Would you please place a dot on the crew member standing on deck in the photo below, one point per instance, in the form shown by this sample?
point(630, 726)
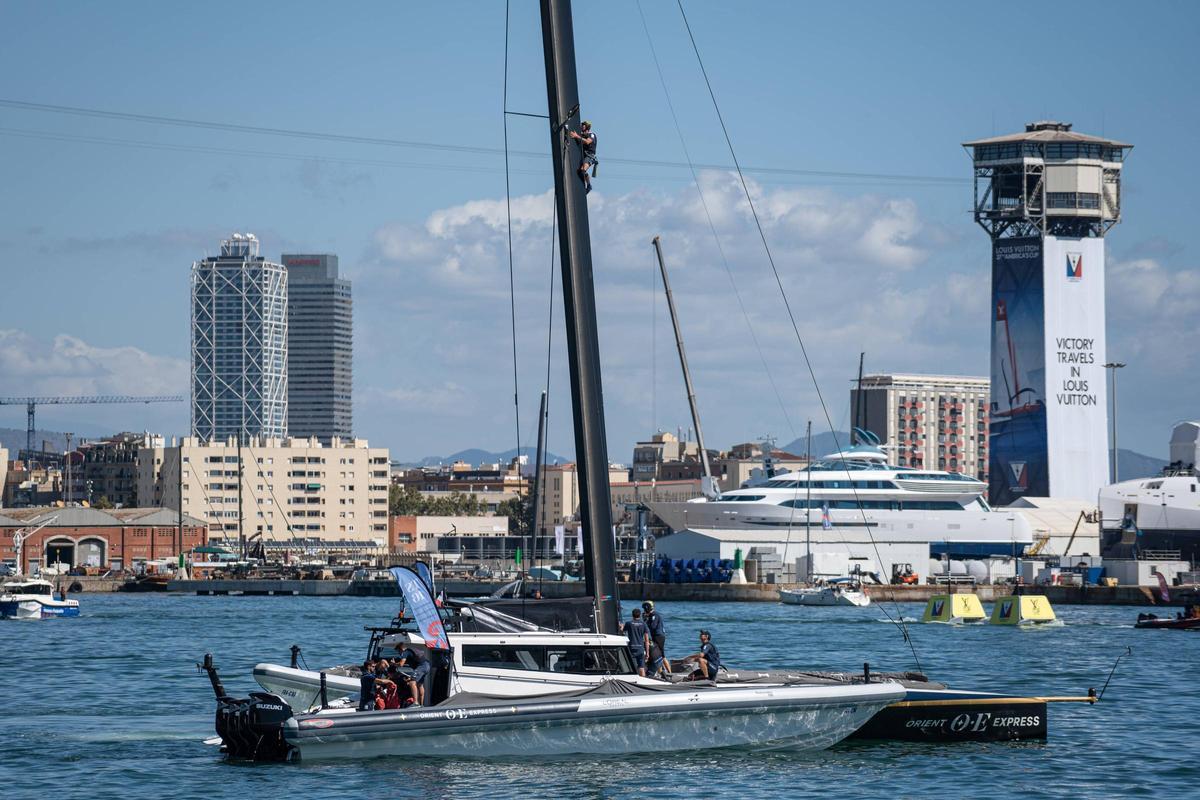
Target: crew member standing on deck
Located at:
point(658, 630)
point(366, 686)
point(587, 142)
point(639, 641)
point(419, 662)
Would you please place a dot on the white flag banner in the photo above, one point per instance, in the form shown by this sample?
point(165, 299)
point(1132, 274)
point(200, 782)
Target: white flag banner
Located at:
point(579, 540)
point(560, 535)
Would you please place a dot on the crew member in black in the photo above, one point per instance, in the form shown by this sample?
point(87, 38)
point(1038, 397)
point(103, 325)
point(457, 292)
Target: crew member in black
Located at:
point(366, 686)
point(419, 662)
point(587, 141)
point(639, 641)
point(658, 630)
point(708, 660)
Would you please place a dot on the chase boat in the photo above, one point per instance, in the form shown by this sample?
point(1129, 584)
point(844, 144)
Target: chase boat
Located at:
point(34, 599)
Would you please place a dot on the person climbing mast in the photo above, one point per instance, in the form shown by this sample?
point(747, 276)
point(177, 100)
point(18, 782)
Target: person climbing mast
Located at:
point(587, 141)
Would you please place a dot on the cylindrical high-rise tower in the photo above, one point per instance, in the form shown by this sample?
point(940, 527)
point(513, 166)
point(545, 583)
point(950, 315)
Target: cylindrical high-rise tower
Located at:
point(1047, 197)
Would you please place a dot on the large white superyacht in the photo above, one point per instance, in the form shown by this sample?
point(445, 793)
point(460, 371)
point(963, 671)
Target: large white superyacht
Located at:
point(845, 495)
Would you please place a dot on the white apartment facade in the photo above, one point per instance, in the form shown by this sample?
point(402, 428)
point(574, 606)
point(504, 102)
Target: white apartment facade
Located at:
point(927, 421)
point(289, 487)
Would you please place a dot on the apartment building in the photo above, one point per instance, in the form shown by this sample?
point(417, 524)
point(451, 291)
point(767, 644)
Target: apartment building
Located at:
point(288, 487)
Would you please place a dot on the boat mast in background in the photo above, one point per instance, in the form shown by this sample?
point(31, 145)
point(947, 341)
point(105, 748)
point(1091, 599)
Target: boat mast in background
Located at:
point(808, 570)
point(536, 496)
point(583, 349)
point(860, 406)
point(708, 486)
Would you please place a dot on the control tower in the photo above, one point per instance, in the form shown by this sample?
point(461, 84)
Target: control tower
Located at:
point(1047, 197)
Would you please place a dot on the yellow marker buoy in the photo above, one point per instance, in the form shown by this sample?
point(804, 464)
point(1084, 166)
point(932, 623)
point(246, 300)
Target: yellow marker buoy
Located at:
point(954, 608)
point(1025, 609)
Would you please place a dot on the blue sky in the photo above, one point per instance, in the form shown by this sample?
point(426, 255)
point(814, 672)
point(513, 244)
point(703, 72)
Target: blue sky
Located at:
point(101, 218)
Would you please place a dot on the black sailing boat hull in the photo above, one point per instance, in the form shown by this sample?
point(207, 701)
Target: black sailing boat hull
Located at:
point(939, 716)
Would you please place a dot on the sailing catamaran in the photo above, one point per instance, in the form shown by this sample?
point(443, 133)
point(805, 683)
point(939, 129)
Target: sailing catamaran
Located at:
point(617, 715)
point(503, 686)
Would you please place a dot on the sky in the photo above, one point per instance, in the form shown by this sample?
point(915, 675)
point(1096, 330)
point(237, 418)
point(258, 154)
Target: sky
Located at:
point(850, 116)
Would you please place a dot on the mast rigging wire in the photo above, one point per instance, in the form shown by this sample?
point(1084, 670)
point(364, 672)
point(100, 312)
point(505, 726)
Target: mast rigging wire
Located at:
point(712, 226)
point(512, 286)
point(791, 316)
point(294, 133)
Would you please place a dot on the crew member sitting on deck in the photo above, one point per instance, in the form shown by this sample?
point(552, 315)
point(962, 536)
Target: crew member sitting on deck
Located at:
point(405, 686)
point(386, 693)
point(418, 661)
point(708, 660)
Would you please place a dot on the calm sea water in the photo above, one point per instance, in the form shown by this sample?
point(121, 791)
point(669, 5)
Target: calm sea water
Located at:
point(111, 705)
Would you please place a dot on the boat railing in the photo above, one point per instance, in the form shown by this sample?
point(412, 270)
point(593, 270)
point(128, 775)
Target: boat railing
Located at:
point(953, 580)
point(1159, 555)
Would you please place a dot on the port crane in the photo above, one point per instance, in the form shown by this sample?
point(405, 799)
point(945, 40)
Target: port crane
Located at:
point(31, 404)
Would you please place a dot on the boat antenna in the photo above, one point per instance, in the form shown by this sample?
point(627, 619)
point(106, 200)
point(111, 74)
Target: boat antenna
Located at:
point(708, 485)
point(583, 348)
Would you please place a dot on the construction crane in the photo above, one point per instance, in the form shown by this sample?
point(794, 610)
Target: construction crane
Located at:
point(31, 404)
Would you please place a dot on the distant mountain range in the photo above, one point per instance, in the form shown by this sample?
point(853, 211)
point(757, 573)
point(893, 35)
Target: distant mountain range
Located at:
point(477, 456)
point(822, 444)
point(13, 439)
point(1130, 465)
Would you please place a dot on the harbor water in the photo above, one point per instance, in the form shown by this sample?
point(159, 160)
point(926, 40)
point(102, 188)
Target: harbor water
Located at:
point(110, 705)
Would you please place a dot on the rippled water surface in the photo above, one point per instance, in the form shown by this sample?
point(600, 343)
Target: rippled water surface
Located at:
point(111, 705)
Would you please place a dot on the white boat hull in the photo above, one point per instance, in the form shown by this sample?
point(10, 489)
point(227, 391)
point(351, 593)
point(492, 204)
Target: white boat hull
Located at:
point(36, 607)
point(823, 597)
point(301, 688)
point(802, 718)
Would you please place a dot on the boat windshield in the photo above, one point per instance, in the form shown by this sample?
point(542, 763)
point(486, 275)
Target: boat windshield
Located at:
point(568, 659)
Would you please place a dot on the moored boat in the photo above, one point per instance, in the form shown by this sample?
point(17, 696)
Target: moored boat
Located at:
point(34, 599)
point(839, 592)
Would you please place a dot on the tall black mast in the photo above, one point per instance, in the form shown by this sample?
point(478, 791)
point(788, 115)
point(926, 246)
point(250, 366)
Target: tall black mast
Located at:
point(583, 350)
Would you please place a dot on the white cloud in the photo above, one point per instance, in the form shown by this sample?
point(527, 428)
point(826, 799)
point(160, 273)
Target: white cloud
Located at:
point(862, 272)
point(847, 262)
point(1150, 307)
point(70, 366)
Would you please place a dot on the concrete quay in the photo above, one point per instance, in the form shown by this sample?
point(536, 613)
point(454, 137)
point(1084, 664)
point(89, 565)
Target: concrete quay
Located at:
point(697, 592)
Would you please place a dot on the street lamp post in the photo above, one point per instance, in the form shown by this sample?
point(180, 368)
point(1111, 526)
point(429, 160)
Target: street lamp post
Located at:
point(1112, 368)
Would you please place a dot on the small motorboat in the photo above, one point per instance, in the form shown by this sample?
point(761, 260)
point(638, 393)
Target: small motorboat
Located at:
point(1179, 623)
point(156, 582)
point(34, 599)
point(839, 592)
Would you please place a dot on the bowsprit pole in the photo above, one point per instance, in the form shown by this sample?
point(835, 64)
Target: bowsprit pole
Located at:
point(583, 350)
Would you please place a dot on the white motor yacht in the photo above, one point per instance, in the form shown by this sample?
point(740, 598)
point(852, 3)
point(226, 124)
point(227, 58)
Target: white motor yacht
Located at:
point(34, 599)
point(857, 496)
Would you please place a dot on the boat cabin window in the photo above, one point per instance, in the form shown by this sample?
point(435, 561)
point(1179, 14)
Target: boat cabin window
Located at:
point(502, 657)
point(568, 659)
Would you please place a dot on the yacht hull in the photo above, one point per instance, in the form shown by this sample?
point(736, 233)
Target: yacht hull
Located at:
point(804, 718)
point(823, 597)
point(16, 607)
